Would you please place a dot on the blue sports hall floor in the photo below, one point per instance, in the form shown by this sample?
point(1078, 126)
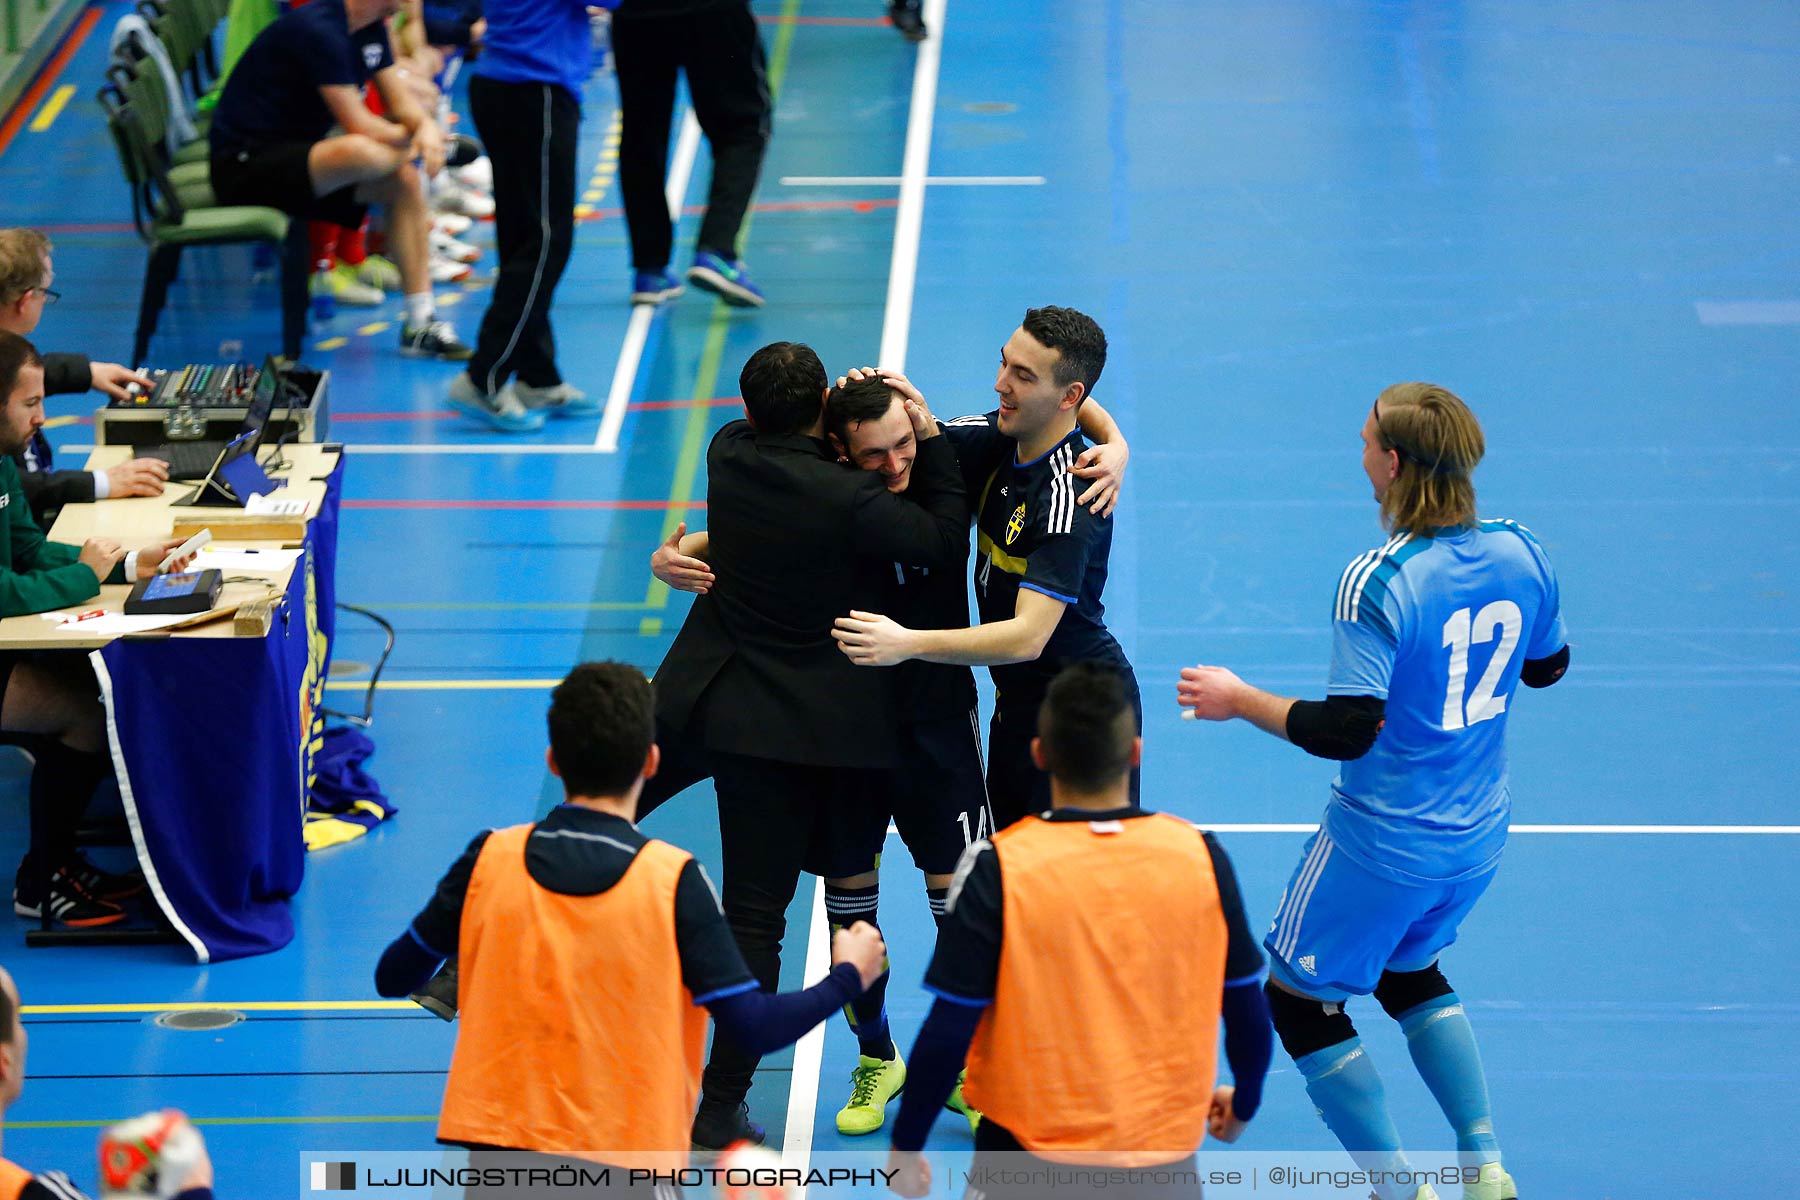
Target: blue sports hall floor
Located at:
point(1579, 217)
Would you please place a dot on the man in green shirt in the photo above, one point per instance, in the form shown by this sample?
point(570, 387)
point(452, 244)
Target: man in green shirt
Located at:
point(52, 694)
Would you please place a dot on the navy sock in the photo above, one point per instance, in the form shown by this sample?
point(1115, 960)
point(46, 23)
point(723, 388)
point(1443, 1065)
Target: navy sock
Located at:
point(1443, 1048)
point(937, 898)
point(867, 1013)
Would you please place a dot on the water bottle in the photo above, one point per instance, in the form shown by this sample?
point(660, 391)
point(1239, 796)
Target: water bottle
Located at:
point(324, 304)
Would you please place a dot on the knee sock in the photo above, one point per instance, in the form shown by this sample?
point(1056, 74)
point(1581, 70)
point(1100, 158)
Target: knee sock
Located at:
point(937, 898)
point(323, 238)
point(867, 1013)
point(1443, 1048)
point(1347, 1091)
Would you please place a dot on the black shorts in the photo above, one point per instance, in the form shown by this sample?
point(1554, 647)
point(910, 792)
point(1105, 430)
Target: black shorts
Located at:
point(849, 829)
point(939, 798)
point(1016, 788)
point(277, 176)
point(1003, 1169)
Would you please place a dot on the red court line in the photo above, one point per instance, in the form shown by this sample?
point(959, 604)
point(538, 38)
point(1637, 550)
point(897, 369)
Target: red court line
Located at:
point(28, 103)
point(87, 227)
point(510, 505)
point(650, 405)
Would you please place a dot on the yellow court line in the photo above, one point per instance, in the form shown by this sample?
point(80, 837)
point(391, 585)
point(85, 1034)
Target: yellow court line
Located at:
point(443, 685)
point(335, 343)
point(52, 108)
point(67, 1010)
point(59, 422)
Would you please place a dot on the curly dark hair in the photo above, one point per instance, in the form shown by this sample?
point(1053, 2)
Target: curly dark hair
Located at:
point(602, 724)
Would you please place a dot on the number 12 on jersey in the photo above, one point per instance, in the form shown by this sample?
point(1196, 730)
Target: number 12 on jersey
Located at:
point(1460, 632)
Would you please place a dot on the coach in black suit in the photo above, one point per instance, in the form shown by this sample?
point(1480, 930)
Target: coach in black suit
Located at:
point(792, 730)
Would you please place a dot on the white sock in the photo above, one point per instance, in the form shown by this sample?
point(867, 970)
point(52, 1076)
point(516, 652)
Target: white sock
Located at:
point(420, 309)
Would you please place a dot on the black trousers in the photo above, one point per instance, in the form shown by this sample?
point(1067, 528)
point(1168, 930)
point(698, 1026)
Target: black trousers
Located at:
point(727, 79)
point(1016, 788)
point(776, 821)
point(530, 131)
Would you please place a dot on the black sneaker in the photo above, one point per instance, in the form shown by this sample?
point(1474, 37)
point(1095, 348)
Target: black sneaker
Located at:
point(438, 997)
point(104, 884)
point(907, 19)
point(717, 1126)
point(434, 339)
point(70, 904)
point(460, 150)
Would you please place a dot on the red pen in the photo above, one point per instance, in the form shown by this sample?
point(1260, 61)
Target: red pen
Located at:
point(92, 612)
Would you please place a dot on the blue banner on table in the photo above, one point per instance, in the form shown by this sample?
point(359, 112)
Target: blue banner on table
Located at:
point(212, 738)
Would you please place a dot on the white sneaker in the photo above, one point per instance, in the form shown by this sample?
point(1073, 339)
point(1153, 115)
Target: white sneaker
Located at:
point(478, 174)
point(451, 197)
point(445, 271)
point(445, 246)
point(454, 224)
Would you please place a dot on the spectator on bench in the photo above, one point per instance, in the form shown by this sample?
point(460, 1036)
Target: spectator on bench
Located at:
point(272, 142)
point(26, 274)
point(53, 694)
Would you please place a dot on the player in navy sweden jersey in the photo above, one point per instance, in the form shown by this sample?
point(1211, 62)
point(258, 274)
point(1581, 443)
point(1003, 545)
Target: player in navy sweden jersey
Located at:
point(1041, 557)
point(1432, 634)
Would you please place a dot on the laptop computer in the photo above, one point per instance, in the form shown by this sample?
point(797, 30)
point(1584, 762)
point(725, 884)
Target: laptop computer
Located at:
point(195, 460)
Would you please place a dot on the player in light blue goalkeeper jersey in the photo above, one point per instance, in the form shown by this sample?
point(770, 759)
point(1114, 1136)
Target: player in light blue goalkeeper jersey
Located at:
point(1432, 634)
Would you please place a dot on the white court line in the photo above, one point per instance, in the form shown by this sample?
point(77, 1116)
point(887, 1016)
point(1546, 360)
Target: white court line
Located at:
point(637, 331)
point(1748, 312)
point(1746, 830)
point(896, 321)
point(803, 1085)
point(809, 1051)
point(930, 180)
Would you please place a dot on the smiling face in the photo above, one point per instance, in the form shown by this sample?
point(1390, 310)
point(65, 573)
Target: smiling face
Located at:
point(1030, 397)
point(886, 445)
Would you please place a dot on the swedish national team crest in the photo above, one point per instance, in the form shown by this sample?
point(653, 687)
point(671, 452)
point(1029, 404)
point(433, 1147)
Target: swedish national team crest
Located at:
point(1016, 525)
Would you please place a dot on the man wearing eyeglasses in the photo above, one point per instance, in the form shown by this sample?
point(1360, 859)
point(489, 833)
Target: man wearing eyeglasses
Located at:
point(26, 274)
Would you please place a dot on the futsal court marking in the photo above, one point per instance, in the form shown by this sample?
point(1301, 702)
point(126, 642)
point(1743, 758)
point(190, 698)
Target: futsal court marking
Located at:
point(929, 180)
point(896, 326)
point(47, 78)
point(637, 330)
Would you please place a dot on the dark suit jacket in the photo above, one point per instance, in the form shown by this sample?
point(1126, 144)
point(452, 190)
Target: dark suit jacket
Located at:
point(754, 669)
point(47, 490)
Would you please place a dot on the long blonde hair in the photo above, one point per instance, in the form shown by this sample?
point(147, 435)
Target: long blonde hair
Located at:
point(1439, 442)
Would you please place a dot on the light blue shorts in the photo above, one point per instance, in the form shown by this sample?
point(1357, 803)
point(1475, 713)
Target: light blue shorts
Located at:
point(1339, 926)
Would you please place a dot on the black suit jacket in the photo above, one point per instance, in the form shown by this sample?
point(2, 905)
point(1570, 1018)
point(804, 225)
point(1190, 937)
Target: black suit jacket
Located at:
point(47, 490)
point(754, 669)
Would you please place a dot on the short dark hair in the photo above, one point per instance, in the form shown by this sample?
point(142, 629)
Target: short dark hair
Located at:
point(867, 400)
point(15, 355)
point(1086, 726)
point(1077, 339)
point(781, 386)
point(602, 724)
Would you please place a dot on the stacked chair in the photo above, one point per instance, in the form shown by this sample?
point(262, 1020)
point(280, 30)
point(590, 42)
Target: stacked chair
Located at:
point(172, 202)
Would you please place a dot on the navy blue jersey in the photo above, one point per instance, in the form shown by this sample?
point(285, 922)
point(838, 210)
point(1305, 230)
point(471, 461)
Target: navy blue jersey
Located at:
point(1030, 533)
point(273, 93)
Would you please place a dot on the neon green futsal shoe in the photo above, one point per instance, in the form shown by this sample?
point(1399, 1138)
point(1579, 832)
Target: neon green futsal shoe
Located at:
point(957, 1104)
point(1495, 1184)
point(873, 1083)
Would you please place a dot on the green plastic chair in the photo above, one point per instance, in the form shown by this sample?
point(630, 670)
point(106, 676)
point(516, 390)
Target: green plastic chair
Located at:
point(168, 226)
